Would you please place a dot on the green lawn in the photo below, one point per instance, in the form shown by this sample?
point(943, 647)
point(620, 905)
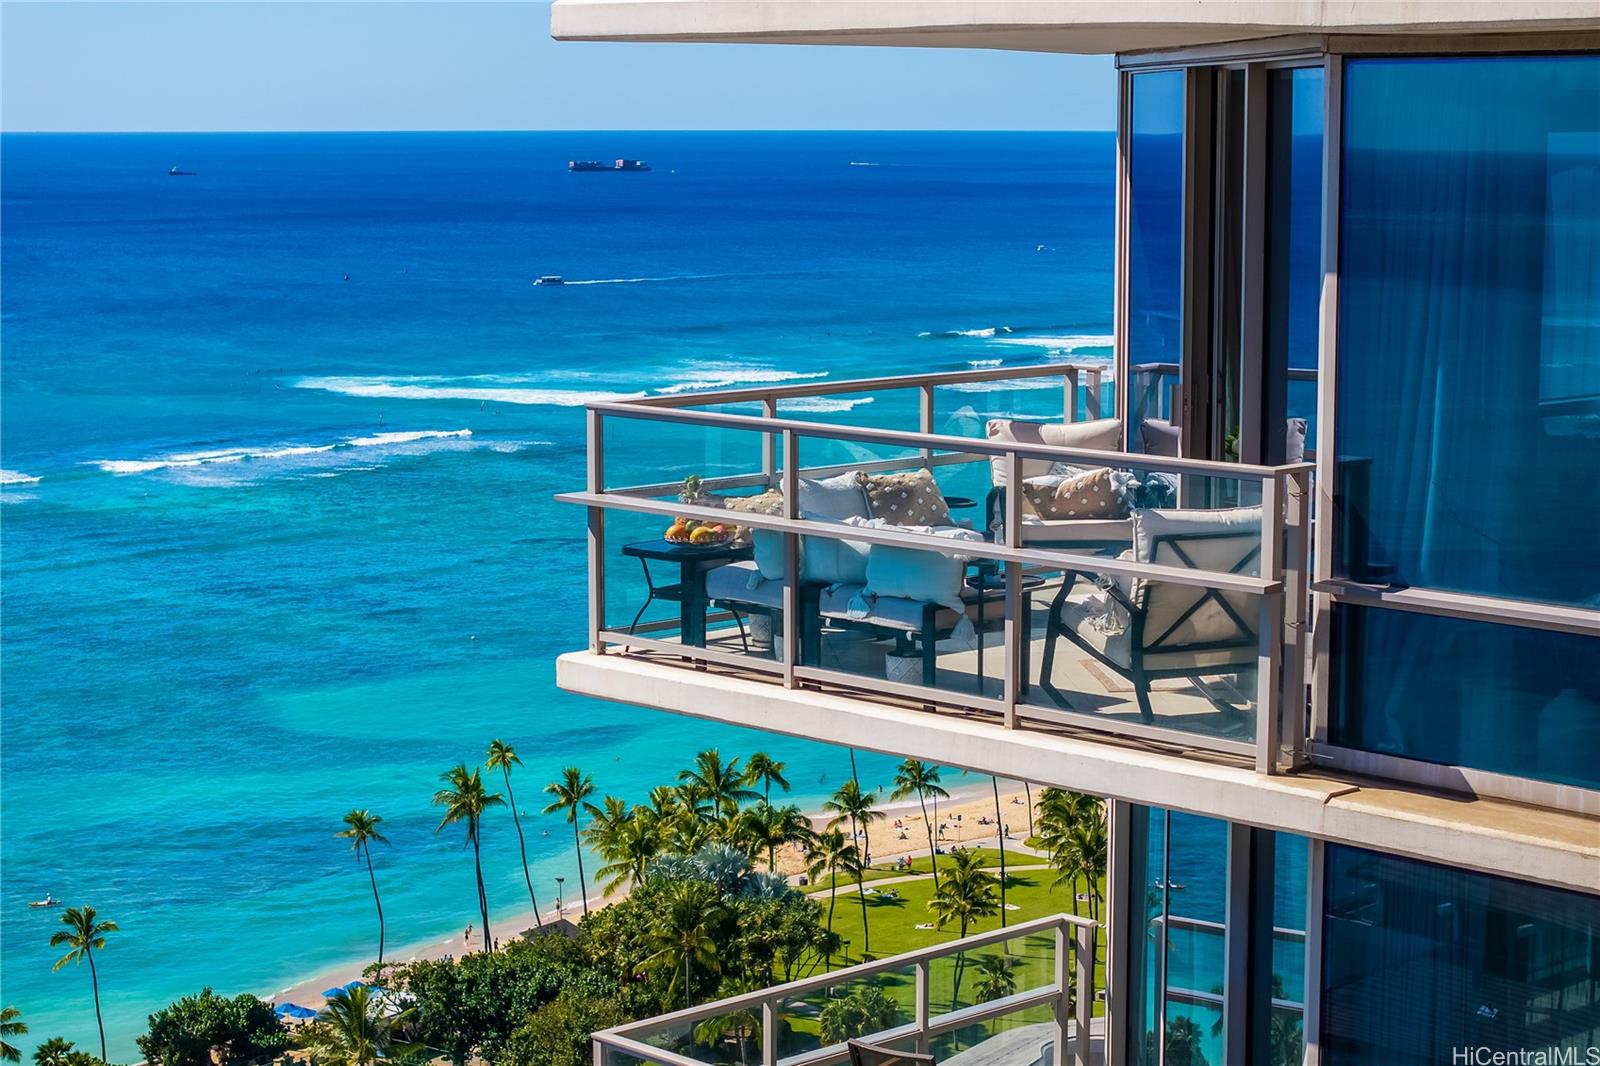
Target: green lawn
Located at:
point(924, 865)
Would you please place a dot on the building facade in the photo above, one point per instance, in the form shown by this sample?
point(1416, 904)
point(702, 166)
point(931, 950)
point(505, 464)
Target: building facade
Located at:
point(1335, 659)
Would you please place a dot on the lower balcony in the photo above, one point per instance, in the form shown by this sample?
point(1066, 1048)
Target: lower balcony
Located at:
point(1027, 995)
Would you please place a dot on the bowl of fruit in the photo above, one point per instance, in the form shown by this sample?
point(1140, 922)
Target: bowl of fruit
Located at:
point(700, 534)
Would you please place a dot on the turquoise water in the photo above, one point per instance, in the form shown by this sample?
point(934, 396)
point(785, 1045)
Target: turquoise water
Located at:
point(291, 547)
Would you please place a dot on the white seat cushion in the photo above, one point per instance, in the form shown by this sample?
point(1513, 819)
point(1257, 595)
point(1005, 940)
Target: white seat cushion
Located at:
point(1044, 531)
point(732, 582)
point(1091, 617)
point(891, 612)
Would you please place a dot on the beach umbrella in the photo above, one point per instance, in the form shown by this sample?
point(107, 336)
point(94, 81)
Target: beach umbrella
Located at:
point(331, 992)
point(294, 1010)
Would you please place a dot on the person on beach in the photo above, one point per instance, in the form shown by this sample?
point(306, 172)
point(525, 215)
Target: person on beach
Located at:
point(467, 937)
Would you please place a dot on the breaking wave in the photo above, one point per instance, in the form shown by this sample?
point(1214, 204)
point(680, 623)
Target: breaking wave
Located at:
point(721, 377)
point(17, 477)
point(421, 388)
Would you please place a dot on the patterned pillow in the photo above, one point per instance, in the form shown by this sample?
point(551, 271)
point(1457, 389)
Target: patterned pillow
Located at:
point(768, 502)
point(911, 499)
point(1091, 494)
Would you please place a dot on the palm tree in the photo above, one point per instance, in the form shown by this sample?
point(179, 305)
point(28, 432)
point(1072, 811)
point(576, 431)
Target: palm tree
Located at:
point(851, 804)
point(464, 800)
point(1060, 814)
point(1028, 790)
point(630, 850)
point(84, 935)
point(965, 896)
point(681, 932)
point(997, 977)
point(356, 1028)
point(1000, 835)
point(11, 1025)
point(503, 757)
point(763, 768)
point(917, 778)
point(601, 832)
point(1087, 854)
point(721, 783)
point(1184, 1043)
point(571, 794)
point(773, 827)
point(60, 1052)
point(361, 829)
point(831, 853)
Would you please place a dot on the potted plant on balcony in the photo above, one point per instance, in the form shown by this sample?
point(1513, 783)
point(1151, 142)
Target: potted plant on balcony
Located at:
point(693, 491)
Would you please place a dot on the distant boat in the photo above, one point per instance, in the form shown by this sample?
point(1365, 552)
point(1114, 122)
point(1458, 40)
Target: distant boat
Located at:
point(48, 901)
point(591, 166)
point(549, 279)
point(179, 172)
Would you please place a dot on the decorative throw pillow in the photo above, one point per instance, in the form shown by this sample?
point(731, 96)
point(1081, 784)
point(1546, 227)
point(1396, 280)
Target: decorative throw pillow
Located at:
point(1092, 494)
point(918, 573)
point(911, 499)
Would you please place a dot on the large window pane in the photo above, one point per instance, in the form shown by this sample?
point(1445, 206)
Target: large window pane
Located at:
point(1421, 960)
point(1492, 697)
point(1469, 325)
point(1155, 259)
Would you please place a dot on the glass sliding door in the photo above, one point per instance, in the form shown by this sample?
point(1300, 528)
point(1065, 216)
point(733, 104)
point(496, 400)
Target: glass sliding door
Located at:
point(1155, 260)
point(1292, 279)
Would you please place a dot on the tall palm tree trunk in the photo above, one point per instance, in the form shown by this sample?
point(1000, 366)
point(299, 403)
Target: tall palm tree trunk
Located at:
point(1000, 835)
point(1029, 790)
point(483, 896)
point(583, 886)
point(94, 982)
point(866, 929)
point(687, 1002)
point(933, 850)
point(522, 846)
point(376, 902)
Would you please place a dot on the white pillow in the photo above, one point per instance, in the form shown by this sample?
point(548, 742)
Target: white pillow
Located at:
point(919, 574)
point(1103, 434)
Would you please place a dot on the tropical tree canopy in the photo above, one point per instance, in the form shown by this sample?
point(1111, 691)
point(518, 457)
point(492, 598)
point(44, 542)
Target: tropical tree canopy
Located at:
point(11, 1024)
point(966, 894)
point(865, 1011)
point(207, 1029)
point(358, 1027)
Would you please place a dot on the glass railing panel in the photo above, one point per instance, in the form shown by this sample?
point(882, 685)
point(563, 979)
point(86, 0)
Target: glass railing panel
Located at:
point(896, 408)
point(610, 1056)
point(1153, 653)
point(1022, 1037)
point(709, 594)
point(850, 1008)
point(683, 459)
point(993, 971)
point(1140, 513)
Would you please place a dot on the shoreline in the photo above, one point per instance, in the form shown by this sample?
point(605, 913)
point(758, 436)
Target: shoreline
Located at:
point(969, 801)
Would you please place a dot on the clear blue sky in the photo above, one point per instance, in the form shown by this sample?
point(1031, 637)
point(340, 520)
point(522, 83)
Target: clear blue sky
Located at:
point(307, 66)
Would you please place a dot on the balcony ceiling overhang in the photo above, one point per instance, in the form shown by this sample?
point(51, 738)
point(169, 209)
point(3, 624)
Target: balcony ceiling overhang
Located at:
point(1090, 27)
point(1484, 835)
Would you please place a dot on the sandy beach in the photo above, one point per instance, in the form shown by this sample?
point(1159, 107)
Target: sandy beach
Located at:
point(901, 832)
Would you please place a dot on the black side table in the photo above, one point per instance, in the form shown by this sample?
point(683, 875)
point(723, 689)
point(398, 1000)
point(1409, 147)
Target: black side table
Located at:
point(987, 578)
point(694, 562)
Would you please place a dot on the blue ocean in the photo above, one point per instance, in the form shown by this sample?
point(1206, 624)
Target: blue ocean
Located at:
point(280, 440)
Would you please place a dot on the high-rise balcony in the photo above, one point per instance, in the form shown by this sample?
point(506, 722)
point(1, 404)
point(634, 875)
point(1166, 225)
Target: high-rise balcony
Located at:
point(1141, 596)
point(1043, 1009)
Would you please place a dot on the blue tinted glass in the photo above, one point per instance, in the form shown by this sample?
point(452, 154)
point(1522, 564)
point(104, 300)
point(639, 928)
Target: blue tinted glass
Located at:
point(1155, 250)
point(1469, 325)
point(1421, 960)
point(1446, 690)
point(1294, 238)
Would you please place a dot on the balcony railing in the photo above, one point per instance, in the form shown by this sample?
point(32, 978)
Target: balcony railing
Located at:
point(1178, 619)
point(934, 1005)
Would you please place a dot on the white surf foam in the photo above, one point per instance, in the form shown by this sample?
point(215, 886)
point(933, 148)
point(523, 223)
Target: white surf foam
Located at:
point(823, 404)
point(983, 333)
point(435, 389)
point(984, 364)
point(17, 477)
point(1070, 343)
point(226, 456)
point(722, 377)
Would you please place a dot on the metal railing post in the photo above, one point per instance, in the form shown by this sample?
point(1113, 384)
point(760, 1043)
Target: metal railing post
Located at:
point(1017, 626)
point(1069, 402)
point(595, 431)
point(769, 441)
point(769, 1033)
point(792, 629)
point(1063, 1011)
point(599, 1052)
point(925, 419)
point(1297, 593)
point(1083, 1002)
point(1269, 631)
point(1092, 404)
point(922, 1006)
